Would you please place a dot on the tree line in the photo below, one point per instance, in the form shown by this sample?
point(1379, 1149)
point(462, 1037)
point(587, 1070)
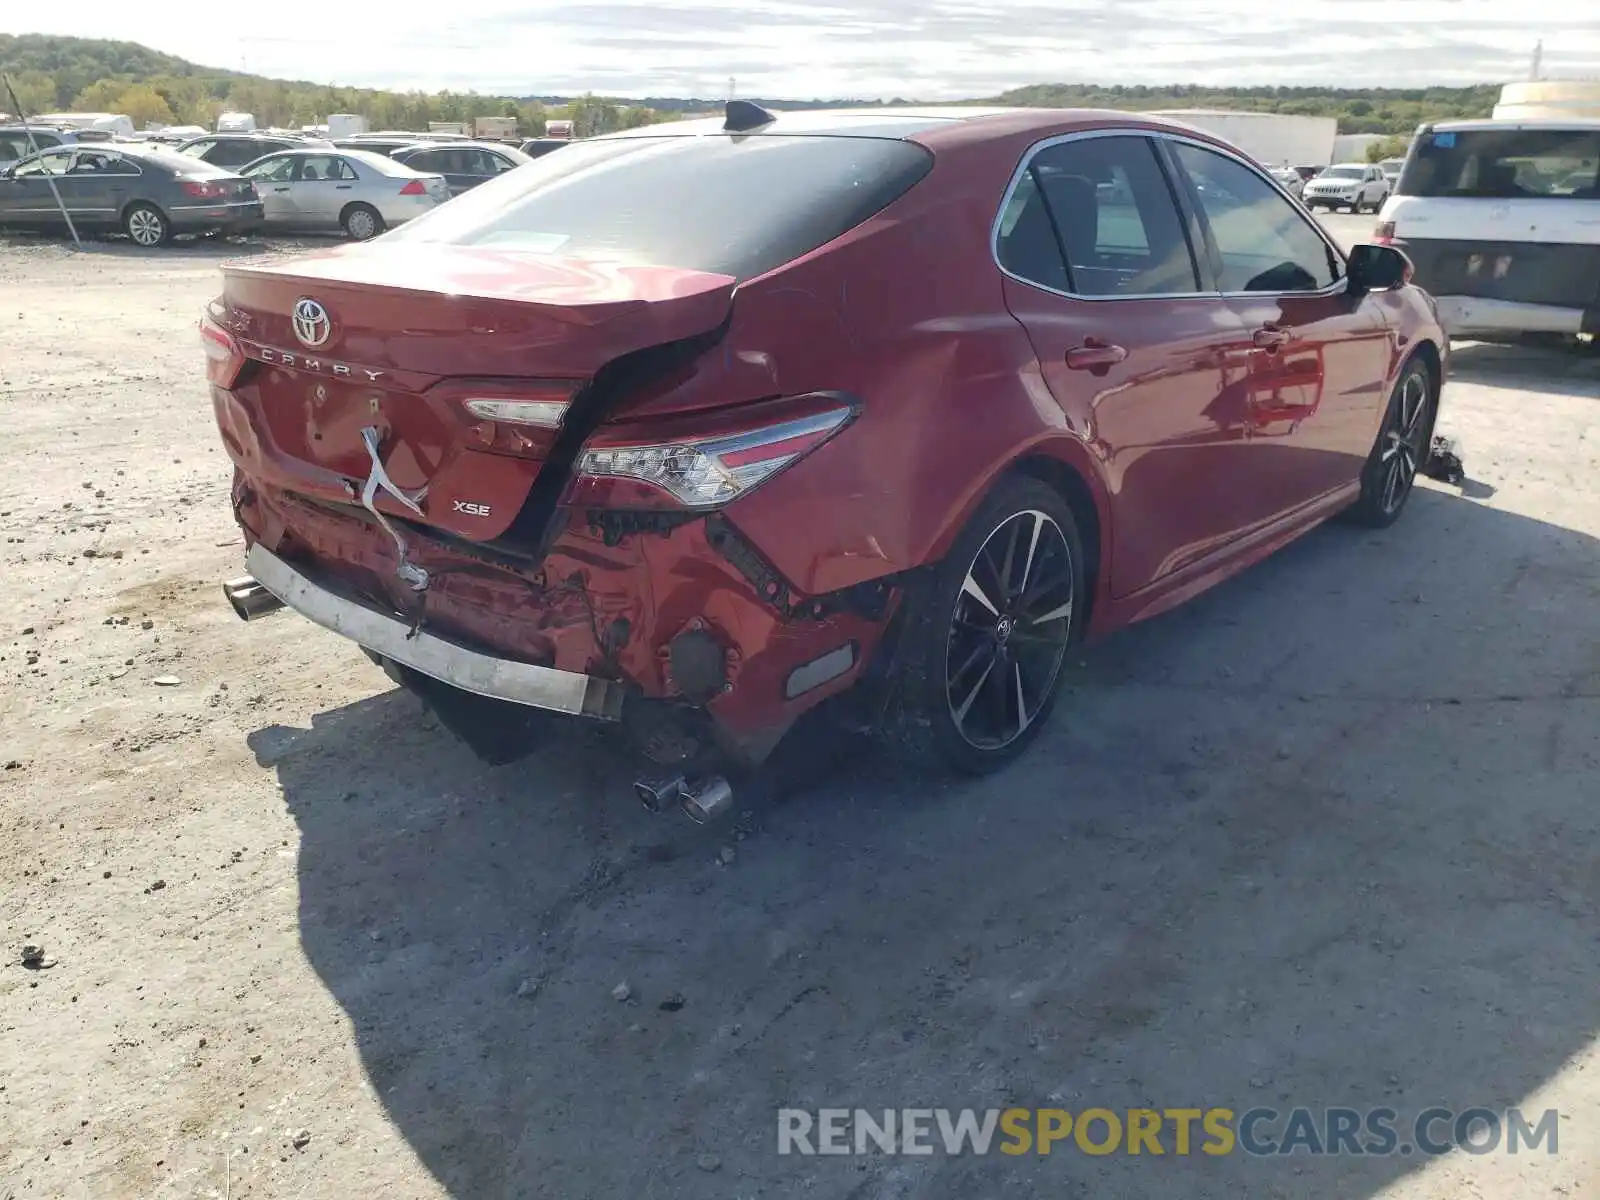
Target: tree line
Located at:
point(62, 74)
point(91, 75)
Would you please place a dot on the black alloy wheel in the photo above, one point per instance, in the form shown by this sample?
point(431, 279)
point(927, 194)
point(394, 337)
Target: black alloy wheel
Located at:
point(1401, 450)
point(982, 654)
point(1009, 631)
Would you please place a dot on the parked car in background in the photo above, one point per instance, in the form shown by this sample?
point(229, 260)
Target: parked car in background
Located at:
point(325, 189)
point(463, 164)
point(380, 143)
point(539, 147)
point(567, 425)
point(15, 143)
point(1391, 171)
point(1355, 186)
point(149, 192)
point(1293, 182)
point(237, 149)
point(1502, 219)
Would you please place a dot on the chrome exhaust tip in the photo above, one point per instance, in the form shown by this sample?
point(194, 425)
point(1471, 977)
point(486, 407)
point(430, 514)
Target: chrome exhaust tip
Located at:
point(660, 792)
point(707, 800)
point(249, 599)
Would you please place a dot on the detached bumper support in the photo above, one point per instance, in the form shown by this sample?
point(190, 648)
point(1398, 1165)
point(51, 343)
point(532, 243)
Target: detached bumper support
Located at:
point(471, 671)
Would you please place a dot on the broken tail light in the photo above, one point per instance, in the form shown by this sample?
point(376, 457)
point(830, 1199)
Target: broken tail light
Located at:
point(702, 472)
point(224, 359)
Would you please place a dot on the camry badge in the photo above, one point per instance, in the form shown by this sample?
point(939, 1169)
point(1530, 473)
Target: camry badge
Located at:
point(311, 323)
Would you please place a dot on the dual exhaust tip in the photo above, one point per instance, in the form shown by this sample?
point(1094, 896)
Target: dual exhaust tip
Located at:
point(702, 800)
point(249, 599)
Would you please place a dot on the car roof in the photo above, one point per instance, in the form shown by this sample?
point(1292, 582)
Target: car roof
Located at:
point(1580, 124)
point(935, 126)
point(379, 162)
point(410, 146)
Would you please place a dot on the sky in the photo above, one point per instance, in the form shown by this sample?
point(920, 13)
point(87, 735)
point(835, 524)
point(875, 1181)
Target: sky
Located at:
point(869, 49)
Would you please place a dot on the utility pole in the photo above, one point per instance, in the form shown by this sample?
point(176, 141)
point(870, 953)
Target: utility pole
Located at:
point(1538, 60)
point(731, 91)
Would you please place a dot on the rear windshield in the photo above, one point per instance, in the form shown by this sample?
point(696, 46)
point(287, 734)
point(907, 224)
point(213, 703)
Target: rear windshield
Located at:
point(1505, 164)
point(183, 164)
point(736, 206)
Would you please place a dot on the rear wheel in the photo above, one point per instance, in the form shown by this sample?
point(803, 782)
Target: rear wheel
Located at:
point(361, 222)
point(146, 226)
point(984, 655)
point(1400, 452)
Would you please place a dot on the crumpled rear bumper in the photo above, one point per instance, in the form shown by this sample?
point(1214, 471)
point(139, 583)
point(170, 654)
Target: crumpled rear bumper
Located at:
point(590, 625)
point(434, 656)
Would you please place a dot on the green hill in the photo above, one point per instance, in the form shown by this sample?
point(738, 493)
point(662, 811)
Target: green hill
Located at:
point(63, 73)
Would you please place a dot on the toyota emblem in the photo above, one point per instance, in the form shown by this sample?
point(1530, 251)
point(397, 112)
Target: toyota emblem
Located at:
point(311, 323)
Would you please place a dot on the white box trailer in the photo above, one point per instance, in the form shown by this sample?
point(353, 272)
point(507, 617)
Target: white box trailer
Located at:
point(1272, 139)
point(343, 125)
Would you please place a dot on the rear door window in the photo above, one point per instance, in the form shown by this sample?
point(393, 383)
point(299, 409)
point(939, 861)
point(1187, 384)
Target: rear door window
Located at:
point(1263, 241)
point(315, 167)
point(1096, 217)
point(1508, 164)
point(736, 206)
point(426, 161)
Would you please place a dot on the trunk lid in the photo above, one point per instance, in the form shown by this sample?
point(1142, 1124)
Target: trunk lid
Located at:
point(399, 339)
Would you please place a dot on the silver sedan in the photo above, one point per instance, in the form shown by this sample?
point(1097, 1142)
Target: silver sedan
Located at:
point(357, 191)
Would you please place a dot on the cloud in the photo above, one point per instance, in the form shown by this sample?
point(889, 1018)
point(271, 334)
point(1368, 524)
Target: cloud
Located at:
point(929, 49)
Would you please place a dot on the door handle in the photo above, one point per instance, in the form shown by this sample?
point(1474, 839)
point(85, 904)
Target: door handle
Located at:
point(1271, 337)
point(1094, 354)
point(280, 189)
point(343, 187)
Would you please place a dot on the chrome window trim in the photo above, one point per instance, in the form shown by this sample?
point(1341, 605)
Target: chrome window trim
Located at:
point(1060, 139)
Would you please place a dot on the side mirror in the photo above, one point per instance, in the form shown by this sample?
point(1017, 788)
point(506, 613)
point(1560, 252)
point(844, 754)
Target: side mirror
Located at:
point(1378, 268)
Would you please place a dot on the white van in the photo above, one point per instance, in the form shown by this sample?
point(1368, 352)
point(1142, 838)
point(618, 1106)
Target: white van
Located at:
point(1502, 222)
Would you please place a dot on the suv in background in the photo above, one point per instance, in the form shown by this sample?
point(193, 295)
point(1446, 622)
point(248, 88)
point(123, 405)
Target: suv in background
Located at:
point(1501, 220)
point(463, 164)
point(1355, 186)
point(1391, 171)
point(14, 145)
point(236, 149)
point(539, 147)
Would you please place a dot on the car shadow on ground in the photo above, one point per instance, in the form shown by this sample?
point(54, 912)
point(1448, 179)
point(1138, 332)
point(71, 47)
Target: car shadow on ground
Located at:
point(1565, 370)
point(1323, 837)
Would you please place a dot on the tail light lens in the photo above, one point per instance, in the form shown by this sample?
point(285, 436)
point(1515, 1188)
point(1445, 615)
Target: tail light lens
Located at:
point(1384, 233)
point(414, 187)
point(204, 189)
point(224, 359)
point(700, 472)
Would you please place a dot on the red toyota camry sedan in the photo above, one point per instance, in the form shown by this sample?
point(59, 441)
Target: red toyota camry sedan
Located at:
point(695, 426)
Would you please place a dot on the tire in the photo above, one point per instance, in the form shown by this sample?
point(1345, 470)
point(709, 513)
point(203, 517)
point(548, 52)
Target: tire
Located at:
point(361, 222)
point(984, 650)
point(146, 226)
point(1401, 450)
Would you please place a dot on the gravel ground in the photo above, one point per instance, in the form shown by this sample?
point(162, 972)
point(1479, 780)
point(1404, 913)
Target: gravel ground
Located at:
point(1326, 836)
